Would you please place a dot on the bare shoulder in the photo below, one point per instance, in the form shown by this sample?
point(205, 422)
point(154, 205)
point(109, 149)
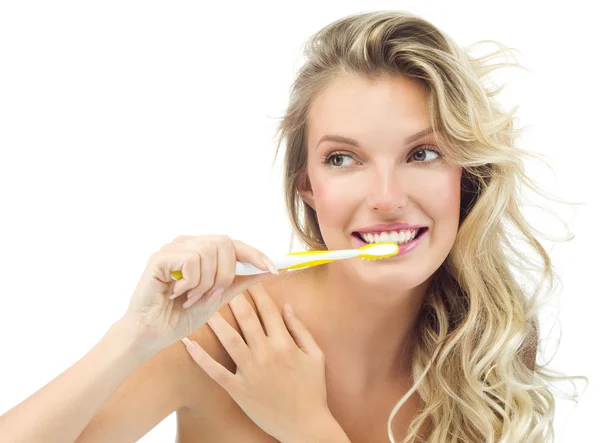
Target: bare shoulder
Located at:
point(198, 381)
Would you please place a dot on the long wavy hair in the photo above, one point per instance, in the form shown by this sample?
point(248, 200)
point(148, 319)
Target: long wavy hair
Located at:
point(476, 342)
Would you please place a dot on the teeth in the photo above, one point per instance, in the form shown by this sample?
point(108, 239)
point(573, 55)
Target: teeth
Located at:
point(399, 237)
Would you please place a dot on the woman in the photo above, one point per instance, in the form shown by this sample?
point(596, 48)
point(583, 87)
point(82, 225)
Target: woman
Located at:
point(390, 135)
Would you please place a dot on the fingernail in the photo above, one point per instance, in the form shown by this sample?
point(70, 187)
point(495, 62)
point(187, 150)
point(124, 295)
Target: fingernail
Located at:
point(269, 264)
point(174, 296)
point(191, 301)
point(289, 309)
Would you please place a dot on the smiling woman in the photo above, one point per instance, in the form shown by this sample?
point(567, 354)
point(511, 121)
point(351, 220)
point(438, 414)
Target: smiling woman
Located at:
point(390, 134)
point(390, 122)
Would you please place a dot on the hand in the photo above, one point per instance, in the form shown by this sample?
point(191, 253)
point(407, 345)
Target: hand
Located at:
point(280, 378)
point(157, 312)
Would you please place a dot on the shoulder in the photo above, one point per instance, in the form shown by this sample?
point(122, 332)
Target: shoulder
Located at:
point(209, 341)
point(197, 380)
point(278, 288)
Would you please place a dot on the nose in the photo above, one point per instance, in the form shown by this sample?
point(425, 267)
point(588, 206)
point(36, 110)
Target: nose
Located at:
point(387, 192)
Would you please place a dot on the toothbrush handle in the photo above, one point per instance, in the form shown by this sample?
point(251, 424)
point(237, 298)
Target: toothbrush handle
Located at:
point(312, 258)
point(244, 268)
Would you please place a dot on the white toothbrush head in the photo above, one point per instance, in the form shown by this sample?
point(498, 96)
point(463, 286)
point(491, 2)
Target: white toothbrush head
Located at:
point(375, 251)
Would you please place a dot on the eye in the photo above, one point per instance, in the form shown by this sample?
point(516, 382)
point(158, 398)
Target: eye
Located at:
point(333, 159)
point(420, 156)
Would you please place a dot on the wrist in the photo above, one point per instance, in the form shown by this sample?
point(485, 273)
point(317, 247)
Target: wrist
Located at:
point(130, 334)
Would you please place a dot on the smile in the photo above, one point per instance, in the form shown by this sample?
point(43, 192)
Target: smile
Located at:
point(399, 237)
point(407, 240)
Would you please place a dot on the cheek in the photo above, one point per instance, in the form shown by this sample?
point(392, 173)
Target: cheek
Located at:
point(334, 198)
point(441, 200)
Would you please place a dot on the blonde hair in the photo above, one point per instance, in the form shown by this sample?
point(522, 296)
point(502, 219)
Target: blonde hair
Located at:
point(477, 339)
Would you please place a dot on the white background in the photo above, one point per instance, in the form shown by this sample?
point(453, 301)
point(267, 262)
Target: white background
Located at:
point(125, 124)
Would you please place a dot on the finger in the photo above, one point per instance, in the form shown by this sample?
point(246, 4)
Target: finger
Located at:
point(225, 264)
point(164, 262)
point(301, 335)
point(253, 331)
point(215, 370)
point(191, 271)
point(247, 253)
point(230, 339)
point(208, 267)
point(270, 315)
point(222, 265)
point(220, 271)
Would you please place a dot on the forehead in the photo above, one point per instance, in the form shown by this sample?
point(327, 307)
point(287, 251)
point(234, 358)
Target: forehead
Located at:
point(355, 105)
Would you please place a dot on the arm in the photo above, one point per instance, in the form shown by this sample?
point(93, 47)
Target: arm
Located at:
point(62, 409)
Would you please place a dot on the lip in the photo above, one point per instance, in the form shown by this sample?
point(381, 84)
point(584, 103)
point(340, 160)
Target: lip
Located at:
point(403, 249)
point(388, 227)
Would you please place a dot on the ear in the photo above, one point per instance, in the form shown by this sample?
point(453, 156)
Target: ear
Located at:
point(304, 188)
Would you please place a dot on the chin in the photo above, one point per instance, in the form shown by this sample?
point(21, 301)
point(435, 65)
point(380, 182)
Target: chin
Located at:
point(390, 279)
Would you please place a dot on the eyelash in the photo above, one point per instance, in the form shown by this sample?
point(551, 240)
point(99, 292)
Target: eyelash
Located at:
point(326, 159)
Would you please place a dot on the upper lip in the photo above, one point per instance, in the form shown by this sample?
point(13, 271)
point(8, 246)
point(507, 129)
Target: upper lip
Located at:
point(388, 227)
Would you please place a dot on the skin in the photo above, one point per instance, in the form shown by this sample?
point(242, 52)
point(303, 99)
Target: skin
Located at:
point(362, 313)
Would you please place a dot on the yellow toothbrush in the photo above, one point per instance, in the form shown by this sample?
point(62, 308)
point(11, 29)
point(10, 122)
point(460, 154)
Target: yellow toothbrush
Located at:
point(298, 260)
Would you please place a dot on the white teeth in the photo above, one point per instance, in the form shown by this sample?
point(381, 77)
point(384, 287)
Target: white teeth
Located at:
point(395, 236)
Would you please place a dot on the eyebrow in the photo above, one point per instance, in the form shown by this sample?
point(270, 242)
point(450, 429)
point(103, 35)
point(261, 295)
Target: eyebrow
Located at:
point(352, 142)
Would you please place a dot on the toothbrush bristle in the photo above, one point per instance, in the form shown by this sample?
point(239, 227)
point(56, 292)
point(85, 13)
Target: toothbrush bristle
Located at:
point(376, 251)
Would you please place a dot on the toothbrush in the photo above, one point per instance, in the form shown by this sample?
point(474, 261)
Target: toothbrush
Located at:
point(298, 260)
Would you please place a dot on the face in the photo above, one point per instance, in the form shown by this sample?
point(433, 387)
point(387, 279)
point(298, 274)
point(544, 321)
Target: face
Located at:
point(387, 178)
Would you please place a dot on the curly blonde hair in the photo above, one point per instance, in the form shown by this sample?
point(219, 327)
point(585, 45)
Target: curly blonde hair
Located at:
point(477, 340)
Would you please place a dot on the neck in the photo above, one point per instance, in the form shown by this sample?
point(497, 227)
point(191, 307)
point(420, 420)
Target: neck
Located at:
point(365, 331)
